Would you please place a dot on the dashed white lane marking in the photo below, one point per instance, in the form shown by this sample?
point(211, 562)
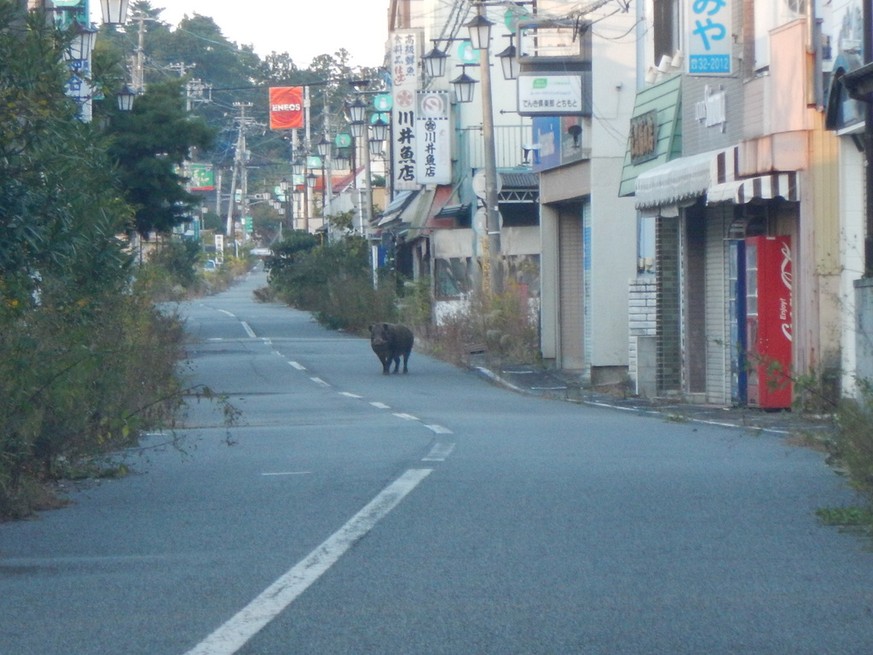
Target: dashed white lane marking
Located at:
point(349, 394)
point(224, 311)
point(378, 405)
point(232, 636)
point(319, 382)
point(406, 417)
point(298, 366)
point(248, 329)
point(438, 429)
point(439, 452)
point(278, 473)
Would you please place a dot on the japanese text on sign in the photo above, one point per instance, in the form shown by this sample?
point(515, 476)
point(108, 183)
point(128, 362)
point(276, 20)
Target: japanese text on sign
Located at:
point(709, 37)
point(404, 67)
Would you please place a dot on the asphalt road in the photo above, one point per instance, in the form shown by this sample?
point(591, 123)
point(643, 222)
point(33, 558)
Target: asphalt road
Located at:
point(351, 512)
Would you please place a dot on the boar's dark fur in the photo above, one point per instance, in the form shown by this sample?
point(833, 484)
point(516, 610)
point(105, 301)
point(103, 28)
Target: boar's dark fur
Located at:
point(390, 342)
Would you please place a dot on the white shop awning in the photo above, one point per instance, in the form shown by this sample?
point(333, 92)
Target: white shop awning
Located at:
point(676, 181)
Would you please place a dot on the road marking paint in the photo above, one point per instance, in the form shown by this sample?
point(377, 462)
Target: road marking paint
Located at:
point(248, 329)
point(234, 634)
point(224, 311)
point(406, 417)
point(438, 429)
point(439, 452)
point(378, 405)
point(349, 394)
point(319, 382)
point(298, 366)
point(286, 473)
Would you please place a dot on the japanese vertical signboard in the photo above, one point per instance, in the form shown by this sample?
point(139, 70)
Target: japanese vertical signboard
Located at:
point(286, 107)
point(433, 138)
point(405, 46)
point(709, 37)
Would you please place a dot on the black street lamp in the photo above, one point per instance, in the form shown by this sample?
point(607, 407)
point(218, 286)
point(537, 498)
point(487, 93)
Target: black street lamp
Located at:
point(463, 86)
point(480, 30)
point(435, 62)
point(125, 98)
point(323, 147)
point(509, 61)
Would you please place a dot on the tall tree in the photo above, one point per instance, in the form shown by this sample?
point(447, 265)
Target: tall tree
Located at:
point(150, 145)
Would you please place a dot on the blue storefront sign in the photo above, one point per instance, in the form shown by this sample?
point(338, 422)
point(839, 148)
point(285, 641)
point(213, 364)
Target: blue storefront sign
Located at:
point(709, 37)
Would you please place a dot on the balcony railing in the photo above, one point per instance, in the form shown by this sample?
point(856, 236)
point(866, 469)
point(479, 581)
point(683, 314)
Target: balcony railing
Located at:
point(509, 141)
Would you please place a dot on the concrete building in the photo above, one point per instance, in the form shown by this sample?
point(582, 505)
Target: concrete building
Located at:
point(745, 117)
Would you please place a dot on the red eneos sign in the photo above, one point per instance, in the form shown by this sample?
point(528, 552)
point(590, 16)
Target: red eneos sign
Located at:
point(286, 107)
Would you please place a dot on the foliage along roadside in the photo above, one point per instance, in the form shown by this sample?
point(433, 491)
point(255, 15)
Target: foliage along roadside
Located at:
point(86, 360)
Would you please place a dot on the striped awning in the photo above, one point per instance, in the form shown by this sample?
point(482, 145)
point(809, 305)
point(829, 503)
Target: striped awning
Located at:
point(715, 175)
point(762, 187)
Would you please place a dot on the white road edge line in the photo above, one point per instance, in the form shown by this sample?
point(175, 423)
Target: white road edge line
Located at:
point(233, 635)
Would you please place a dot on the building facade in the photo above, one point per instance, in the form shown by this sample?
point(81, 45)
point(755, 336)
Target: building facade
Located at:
point(746, 214)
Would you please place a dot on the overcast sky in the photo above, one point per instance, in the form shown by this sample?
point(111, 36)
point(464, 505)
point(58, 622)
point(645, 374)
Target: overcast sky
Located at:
point(302, 28)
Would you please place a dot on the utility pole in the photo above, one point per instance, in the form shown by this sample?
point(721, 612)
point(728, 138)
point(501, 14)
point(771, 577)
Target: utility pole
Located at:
point(328, 165)
point(240, 162)
point(139, 56)
point(492, 267)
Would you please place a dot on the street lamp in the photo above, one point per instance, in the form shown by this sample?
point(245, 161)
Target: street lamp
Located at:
point(480, 30)
point(114, 11)
point(125, 98)
point(380, 129)
point(82, 43)
point(463, 86)
point(509, 61)
point(357, 110)
point(435, 62)
point(323, 147)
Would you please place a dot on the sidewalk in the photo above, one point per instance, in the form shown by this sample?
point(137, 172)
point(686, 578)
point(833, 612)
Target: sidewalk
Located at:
point(536, 381)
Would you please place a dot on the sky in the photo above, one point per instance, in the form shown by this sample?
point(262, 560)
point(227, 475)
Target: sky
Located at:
point(304, 29)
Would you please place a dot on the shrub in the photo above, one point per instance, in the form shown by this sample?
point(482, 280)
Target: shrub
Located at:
point(853, 447)
point(334, 281)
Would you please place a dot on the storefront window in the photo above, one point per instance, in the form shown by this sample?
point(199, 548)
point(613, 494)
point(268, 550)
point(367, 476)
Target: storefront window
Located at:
point(646, 245)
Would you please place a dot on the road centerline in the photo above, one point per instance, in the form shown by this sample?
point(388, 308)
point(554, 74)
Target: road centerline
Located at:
point(234, 634)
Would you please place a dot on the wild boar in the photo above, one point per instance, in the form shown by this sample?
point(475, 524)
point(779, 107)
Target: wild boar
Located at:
point(390, 342)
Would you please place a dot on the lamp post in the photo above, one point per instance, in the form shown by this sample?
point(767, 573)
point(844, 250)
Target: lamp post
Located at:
point(358, 128)
point(463, 86)
point(325, 149)
point(287, 187)
point(480, 34)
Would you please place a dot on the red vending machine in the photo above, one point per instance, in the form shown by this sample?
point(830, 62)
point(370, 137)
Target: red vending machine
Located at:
point(768, 321)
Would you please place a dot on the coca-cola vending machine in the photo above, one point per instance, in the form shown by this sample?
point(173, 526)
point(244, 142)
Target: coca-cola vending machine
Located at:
point(768, 321)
